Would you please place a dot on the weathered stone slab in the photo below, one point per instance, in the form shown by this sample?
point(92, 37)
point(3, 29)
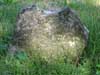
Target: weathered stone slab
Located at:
point(51, 34)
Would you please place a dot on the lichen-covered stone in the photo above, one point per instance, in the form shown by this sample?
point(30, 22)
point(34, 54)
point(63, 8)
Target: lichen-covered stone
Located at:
point(51, 34)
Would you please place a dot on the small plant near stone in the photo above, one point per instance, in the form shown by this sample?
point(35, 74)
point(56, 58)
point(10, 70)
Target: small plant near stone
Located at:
point(98, 69)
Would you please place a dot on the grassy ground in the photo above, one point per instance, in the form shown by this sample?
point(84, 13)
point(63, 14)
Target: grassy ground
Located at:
point(22, 65)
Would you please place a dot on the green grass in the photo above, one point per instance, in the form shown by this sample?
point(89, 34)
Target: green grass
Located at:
point(22, 65)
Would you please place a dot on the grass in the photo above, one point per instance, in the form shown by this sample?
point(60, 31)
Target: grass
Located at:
point(20, 64)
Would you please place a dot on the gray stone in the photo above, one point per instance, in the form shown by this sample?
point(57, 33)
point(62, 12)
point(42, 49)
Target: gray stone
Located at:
point(56, 34)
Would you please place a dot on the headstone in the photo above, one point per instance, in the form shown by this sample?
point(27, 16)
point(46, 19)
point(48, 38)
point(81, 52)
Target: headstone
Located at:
point(56, 34)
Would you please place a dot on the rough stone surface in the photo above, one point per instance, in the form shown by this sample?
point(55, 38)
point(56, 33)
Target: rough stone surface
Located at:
point(56, 34)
